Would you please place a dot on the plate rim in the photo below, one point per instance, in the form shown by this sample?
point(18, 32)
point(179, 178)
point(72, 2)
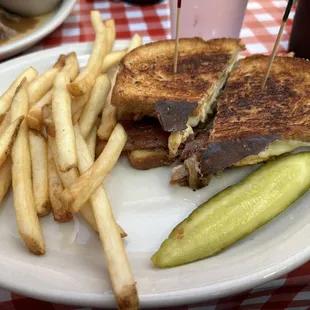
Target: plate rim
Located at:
point(167, 299)
point(171, 298)
point(25, 42)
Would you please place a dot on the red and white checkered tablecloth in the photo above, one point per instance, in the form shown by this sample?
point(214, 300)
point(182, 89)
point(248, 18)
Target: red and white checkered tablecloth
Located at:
point(259, 30)
point(261, 24)
point(151, 22)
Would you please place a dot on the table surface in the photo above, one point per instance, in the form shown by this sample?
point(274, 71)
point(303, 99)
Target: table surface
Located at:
point(259, 30)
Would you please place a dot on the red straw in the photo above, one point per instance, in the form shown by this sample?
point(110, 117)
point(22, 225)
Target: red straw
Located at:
point(179, 4)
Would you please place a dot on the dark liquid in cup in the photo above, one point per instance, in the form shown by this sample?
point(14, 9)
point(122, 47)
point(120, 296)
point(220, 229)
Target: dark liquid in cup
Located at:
point(300, 36)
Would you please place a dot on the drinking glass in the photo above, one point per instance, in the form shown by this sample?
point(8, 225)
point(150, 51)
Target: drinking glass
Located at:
point(208, 18)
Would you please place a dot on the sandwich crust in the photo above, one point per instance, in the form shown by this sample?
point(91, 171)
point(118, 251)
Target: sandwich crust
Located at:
point(146, 74)
point(249, 118)
point(245, 110)
point(252, 124)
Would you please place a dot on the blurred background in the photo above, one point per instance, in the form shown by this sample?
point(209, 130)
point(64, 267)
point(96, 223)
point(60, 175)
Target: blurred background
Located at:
point(262, 20)
point(257, 21)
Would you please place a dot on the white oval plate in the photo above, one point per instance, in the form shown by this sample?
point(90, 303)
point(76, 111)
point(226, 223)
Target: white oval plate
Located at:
point(19, 45)
point(73, 271)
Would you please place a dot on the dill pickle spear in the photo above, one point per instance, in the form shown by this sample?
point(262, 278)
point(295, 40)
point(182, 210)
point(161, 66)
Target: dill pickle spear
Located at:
point(237, 211)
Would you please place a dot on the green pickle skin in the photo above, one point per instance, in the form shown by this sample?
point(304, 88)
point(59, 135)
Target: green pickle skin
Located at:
point(237, 211)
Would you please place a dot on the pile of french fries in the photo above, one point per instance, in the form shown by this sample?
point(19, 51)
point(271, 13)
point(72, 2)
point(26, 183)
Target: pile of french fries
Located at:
point(48, 136)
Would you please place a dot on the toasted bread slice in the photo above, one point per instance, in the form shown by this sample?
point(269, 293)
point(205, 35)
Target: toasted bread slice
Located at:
point(148, 159)
point(146, 75)
point(276, 118)
point(282, 107)
point(254, 124)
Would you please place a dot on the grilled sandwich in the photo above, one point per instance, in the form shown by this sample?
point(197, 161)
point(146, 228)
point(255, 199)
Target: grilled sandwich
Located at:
point(146, 87)
point(146, 145)
point(252, 124)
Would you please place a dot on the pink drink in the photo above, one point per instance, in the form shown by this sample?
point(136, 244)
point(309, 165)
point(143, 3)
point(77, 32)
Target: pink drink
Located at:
point(209, 18)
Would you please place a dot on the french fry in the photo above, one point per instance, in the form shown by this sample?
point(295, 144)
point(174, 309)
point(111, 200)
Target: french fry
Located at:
point(135, 42)
point(38, 151)
point(35, 116)
point(5, 122)
point(100, 30)
point(121, 276)
point(55, 189)
point(60, 63)
point(71, 66)
point(112, 59)
point(7, 139)
point(67, 178)
point(44, 82)
point(122, 233)
point(76, 116)
point(6, 98)
point(110, 35)
point(87, 77)
point(91, 145)
point(20, 103)
point(79, 102)
point(95, 104)
point(80, 191)
point(91, 141)
point(80, 87)
point(27, 219)
point(50, 126)
point(46, 111)
point(99, 147)
point(109, 113)
point(108, 117)
point(77, 106)
point(88, 215)
point(5, 177)
point(61, 112)
point(26, 216)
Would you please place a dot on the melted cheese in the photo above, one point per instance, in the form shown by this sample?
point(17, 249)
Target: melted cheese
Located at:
point(177, 138)
point(206, 106)
point(275, 148)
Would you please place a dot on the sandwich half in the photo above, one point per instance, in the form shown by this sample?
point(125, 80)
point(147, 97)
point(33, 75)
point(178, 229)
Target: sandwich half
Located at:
point(147, 87)
point(252, 124)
